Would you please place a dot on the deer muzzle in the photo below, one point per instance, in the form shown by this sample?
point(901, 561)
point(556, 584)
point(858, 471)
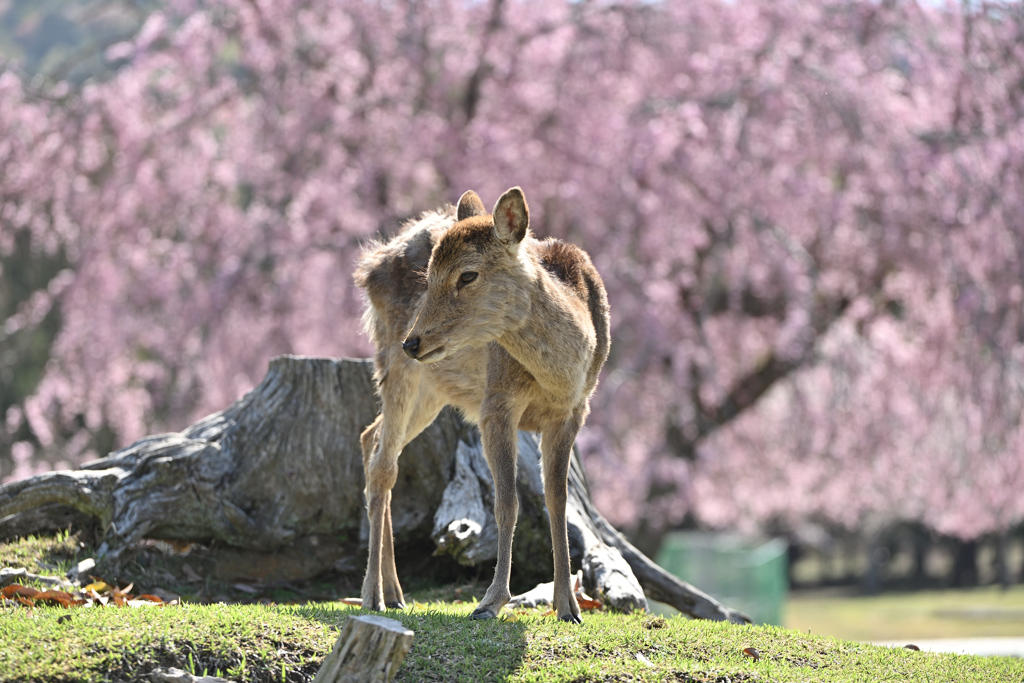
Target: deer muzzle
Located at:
point(411, 346)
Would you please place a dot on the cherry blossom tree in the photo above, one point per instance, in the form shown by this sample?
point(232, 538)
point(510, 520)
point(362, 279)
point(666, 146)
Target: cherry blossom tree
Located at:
point(804, 214)
point(912, 411)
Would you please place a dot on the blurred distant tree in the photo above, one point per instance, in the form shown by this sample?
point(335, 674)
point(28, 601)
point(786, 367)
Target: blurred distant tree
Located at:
point(53, 40)
point(804, 214)
point(912, 410)
point(52, 43)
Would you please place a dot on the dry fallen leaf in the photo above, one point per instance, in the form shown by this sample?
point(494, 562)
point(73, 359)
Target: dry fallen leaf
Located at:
point(584, 600)
point(85, 597)
point(752, 653)
point(58, 597)
point(135, 602)
point(911, 646)
point(643, 660)
point(29, 596)
point(182, 547)
point(353, 601)
point(167, 596)
point(98, 587)
point(120, 596)
point(15, 590)
point(98, 599)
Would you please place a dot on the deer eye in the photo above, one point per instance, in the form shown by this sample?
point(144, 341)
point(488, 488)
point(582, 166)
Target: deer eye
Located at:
point(466, 278)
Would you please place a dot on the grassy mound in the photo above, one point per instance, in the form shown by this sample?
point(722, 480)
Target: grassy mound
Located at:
point(276, 642)
point(287, 643)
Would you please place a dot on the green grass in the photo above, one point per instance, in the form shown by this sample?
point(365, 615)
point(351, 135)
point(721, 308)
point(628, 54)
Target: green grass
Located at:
point(50, 555)
point(275, 643)
point(247, 642)
point(966, 613)
point(257, 642)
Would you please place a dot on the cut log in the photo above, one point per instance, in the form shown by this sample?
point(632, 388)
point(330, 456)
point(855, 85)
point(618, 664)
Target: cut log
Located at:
point(273, 488)
point(369, 649)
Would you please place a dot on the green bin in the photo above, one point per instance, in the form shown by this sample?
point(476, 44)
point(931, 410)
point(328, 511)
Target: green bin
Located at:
point(749, 576)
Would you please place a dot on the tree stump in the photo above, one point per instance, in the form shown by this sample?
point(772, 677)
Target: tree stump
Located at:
point(369, 649)
point(273, 488)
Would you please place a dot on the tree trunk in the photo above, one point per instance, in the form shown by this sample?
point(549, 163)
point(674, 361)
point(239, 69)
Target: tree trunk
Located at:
point(1003, 559)
point(921, 543)
point(965, 563)
point(877, 554)
point(273, 485)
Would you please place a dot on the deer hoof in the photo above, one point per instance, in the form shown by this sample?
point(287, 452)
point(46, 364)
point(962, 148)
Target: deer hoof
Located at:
point(371, 602)
point(396, 604)
point(482, 613)
point(571, 618)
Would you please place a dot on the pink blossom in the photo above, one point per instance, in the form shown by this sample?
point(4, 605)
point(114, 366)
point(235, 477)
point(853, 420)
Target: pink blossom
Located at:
point(806, 215)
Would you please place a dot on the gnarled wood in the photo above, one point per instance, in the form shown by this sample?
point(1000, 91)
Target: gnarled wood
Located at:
point(464, 524)
point(275, 484)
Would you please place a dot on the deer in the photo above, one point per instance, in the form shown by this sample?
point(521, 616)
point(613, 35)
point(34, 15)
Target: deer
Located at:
point(469, 309)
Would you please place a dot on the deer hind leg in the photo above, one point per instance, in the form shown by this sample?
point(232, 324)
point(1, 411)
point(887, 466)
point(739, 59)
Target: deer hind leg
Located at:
point(394, 598)
point(498, 433)
point(402, 418)
point(556, 450)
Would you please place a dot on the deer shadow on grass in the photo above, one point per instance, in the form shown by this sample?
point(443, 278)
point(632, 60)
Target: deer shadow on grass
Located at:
point(446, 647)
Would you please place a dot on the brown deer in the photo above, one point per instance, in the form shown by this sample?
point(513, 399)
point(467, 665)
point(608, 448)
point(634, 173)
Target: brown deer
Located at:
point(511, 330)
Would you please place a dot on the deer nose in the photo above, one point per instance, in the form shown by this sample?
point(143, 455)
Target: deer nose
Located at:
point(411, 347)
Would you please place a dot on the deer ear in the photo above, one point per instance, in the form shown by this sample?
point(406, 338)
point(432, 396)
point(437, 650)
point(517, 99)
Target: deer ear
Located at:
point(511, 217)
point(469, 206)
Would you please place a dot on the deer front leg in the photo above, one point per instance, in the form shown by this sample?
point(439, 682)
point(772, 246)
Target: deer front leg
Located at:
point(556, 450)
point(380, 464)
point(498, 433)
point(407, 409)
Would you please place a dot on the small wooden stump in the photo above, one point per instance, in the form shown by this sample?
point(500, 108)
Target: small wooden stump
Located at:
point(369, 648)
